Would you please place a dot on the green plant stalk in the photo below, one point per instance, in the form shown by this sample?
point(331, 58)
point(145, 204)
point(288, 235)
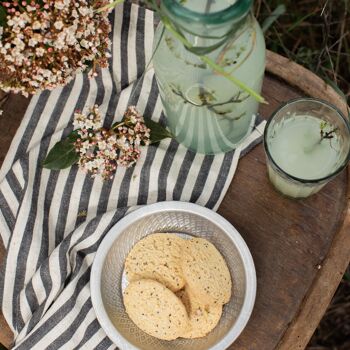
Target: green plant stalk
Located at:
point(300, 20)
point(211, 64)
point(234, 80)
point(110, 6)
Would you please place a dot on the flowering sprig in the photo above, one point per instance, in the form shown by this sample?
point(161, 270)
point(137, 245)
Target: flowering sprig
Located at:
point(99, 151)
point(44, 43)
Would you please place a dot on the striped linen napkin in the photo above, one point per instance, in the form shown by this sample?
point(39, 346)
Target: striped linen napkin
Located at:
point(52, 222)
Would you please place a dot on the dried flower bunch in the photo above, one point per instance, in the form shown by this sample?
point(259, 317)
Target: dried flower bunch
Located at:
point(102, 150)
point(44, 43)
point(99, 151)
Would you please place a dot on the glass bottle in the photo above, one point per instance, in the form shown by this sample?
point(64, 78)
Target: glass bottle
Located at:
point(205, 111)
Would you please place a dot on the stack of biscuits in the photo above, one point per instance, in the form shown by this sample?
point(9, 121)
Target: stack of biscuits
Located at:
point(177, 287)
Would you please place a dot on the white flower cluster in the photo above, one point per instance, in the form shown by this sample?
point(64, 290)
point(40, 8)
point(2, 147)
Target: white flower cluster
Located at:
point(101, 150)
point(45, 43)
point(92, 121)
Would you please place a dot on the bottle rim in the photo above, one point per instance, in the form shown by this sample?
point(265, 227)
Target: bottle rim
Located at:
point(235, 11)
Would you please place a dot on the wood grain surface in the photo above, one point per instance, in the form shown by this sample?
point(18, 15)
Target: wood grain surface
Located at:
point(300, 248)
point(338, 257)
point(289, 239)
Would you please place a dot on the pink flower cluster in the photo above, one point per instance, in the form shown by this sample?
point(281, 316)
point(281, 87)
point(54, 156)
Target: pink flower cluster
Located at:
point(102, 150)
point(45, 43)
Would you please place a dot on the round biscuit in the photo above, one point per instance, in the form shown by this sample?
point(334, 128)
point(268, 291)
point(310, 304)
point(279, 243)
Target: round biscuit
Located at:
point(157, 257)
point(203, 319)
point(155, 309)
point(206, 272)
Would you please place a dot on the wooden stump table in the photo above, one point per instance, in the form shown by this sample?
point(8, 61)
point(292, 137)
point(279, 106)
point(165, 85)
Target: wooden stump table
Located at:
point(301, 248)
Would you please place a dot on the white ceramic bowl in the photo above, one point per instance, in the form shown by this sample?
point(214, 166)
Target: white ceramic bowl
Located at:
point(177, 217)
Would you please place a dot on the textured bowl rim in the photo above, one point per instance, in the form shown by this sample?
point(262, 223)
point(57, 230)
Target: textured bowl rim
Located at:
point(121, 225)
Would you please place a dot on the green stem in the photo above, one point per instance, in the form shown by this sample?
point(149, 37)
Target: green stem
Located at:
point(116, 126)
point(111, 5)
point(234, 80)
point(218, 69)
point(173, 31)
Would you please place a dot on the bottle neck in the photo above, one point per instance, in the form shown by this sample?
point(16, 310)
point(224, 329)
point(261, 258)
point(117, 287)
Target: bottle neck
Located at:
point(207, 28)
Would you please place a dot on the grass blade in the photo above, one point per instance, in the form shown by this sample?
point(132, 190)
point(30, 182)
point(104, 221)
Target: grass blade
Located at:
point(268, 22)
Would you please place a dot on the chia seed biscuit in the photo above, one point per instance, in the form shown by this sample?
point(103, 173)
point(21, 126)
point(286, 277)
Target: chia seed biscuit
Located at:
point(157, 257)
point(155, 309)
point(203, 319)
point(206, 273)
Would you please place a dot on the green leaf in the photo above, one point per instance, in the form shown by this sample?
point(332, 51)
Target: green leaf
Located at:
point(158, 133)
point(268, 22)
point(63, 154)
point(3, 15)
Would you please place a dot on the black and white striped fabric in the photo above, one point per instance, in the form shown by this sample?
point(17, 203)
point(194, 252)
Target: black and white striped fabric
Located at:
point(52, 222)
